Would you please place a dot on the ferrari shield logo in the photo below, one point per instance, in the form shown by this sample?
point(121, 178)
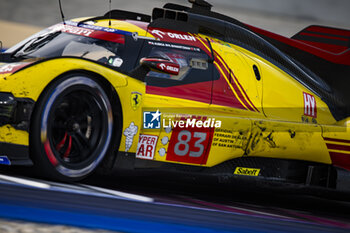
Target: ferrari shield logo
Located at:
point(135, 100)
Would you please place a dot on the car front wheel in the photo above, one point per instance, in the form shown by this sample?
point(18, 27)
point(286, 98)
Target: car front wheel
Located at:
point(72, 128)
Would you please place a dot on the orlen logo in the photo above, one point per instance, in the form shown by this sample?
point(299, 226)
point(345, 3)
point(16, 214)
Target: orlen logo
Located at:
point(162, 66)
point(310, 108)
point(169, 68)
point(173, 35)
point(158, 33)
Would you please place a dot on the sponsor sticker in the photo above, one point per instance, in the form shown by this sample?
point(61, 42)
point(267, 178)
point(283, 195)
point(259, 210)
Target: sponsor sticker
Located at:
point(151, 120)
point(190, 145)
point(77, 30)
point(4, 160)
point(247, 171)
point(129, 134)
point(92, 31)
point(158, 33)
point(135, 99)
point(173, 46)
point(173, 35)
point(191, 121)
point(162, 151)
point(146, 146)
point(116, 62)
point(10, 68)
point(168, 67)
point(310, 108)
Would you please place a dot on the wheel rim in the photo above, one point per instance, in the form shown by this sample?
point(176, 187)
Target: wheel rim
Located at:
point(76, 126)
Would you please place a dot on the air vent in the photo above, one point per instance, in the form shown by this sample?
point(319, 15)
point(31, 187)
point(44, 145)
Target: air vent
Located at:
point(176, 7)
point(169, 14)
point(200, 64)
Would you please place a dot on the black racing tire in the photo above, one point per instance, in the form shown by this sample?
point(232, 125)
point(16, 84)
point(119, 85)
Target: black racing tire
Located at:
point(72, 128)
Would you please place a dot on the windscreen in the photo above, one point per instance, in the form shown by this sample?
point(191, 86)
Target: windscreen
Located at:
point(72, 41)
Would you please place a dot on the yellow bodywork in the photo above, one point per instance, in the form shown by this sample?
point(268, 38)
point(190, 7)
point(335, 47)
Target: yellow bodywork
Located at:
point(31, 82)
point(279, 130)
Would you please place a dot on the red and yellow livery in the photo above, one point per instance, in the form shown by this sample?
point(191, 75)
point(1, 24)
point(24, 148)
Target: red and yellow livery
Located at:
point(187, 88)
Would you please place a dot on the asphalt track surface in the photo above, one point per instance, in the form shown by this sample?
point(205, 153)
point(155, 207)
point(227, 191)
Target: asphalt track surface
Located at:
point(146, 202)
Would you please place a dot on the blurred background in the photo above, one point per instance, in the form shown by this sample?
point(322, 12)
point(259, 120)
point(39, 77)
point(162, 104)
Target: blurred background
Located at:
point(21, 18)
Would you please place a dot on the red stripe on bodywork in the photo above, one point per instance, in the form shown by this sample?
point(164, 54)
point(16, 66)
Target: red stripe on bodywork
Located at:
point(236, 89)
point(205, 48)
point(337, 140)
point(340, 160)
point(327, 47)
point(337, 147)
point(246, 97)
point(339, 59)
point(234, 76)
point(328, 30)
point(220, 95)
point(195, 91)
point(324, 36)
point(108, 36)
point(101, 35)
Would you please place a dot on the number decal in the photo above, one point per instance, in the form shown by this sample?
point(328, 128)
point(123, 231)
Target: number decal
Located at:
point(190, 145)
point(177, 149)
point(197, 144)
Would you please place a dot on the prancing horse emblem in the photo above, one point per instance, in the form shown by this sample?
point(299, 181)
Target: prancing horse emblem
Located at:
point(135, 99)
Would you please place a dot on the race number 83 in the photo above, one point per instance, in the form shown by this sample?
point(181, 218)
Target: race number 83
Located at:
point(189, 146)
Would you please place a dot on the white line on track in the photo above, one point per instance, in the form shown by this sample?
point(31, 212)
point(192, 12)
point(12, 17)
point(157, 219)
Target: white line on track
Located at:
point(260, 212)
point(78, 188)
point(25, 182)
point(120, 194)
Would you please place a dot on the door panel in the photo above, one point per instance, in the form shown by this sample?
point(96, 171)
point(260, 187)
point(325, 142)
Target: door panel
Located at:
point(179, 98)
point(236, 101)
point(237, 87)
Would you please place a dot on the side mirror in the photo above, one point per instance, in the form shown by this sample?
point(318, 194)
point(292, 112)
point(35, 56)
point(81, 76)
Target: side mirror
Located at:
point(161, 65)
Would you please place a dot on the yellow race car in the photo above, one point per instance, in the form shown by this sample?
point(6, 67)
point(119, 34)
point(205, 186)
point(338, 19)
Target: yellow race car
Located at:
point(186, 90)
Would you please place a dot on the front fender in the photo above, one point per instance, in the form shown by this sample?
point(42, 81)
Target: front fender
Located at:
point(132, 113)
point(31, 81)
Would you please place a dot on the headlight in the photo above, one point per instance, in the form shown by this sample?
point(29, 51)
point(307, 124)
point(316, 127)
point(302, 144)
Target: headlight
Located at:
point(7, 107)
